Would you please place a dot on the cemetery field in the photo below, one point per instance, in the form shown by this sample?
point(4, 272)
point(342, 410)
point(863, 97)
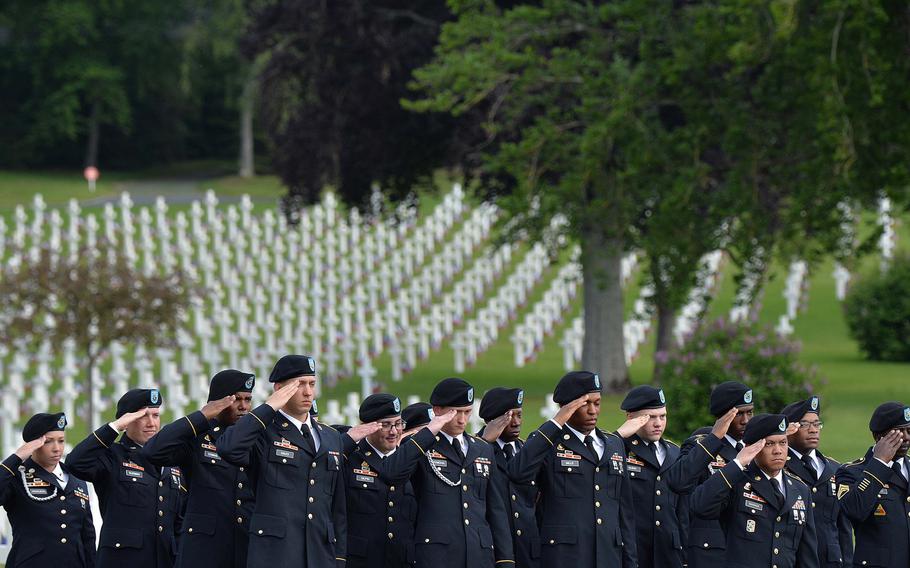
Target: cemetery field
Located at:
point(453, 237)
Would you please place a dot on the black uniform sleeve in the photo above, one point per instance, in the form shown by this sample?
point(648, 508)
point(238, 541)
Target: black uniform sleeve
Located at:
point(845, 537)
point(173, 444)
point(348, 444)
point(91, 459)
point(695, 455)
point(712, 497)
point(498, 519)
point(238, 444)
point(807, 553)
point(858, 487)
point(340, 521)
point(627, 518)
point(8, 477)
point(88, 538)
point(399, 466)
point(524, 466)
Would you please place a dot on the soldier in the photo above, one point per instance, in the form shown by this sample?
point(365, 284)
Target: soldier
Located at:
point(501, 410)
point(294, 465)
point(873, 491)
point(835, 536)
point(48, 507)
point(461, 521)
point(381, 514)
point(415, 417)
point(585, 507)
point(141, 505)
point(704, 454)
point(765, 512)
point(220, 500)
point(658, 532)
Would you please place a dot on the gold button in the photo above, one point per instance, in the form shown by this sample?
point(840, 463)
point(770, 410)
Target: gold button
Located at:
point(597, 469)
point(239, 520)
point(64, 498)
point(160, 483)
point(62, 511)
point(391, 503)
point(552, 541)
point(238, 501)
point(658, 479)
point(63, 540)
point(63, 526)
point(464, 471)
point(391, 536)
point(392, 488)
point(570, 470)
point(282, 461)
point(309, 516)
point(312, 482)
point(778, 519)
point(600, 521)
point(160, 498)
point(464, 487)
point(364, 485)
point(313, 464)
point(240, 486)
point(705, 545)
point(513, 497)
point(657, 492)
point(657, 523)
point(597, 503)
point(776, 551)
point(426, 540)
point(776, 534)
point(259, 531)
point(516, 514)
point(213, 461)
point(657, 508)
point(160, 528)
point(467, 522)
point(391, 519)
point(117, 545)
point(518, 532)
point(596, 487)
point(189, 529)
point(815, 490)
point(813, 505)
point(241, 469)
point(160, 513)
point(310, 499)
point(465, 505)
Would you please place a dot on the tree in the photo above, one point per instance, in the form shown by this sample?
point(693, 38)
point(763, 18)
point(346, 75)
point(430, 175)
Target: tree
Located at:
point(330, 91)
point(93, 301)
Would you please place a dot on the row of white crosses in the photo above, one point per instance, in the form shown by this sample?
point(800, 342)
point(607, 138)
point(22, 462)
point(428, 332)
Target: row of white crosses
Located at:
point(795, 295)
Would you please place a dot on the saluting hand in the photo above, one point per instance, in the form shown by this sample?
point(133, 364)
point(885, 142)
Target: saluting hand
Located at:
point(495, 427)
point(569, 409)
point(441, 420)
point(121, 423)
point(723, 423)
point(28, 448)
point(361, 431)
point(281, 396)
point(748, 453)
point(214, 407)
point(886, 447)
point(632, 425)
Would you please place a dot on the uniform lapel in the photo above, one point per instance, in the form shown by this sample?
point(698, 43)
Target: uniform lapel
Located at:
point(445, 448)
point(799, 469)
point(43, 474)
point(672, 454)
point(571, 441)
point(830, 468)
point(762, 486)
point(369, 455)
point(644, 451)
point(898, 480)
point(289, 432)
point(323, 447)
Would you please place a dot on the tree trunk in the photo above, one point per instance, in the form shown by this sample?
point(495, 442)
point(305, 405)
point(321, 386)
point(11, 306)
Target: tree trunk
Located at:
point(247, 99)
point(603, 351)
point(91, 150)
point(666, 321)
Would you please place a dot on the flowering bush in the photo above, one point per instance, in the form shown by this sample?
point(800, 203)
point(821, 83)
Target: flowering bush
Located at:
point(723, 351)
point(877, 310)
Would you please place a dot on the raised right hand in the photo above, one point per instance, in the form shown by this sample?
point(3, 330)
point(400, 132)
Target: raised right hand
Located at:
point(214, 408)
point(121, 423)
point(567, 410)
point(886, 447)
point(361, 431)
point(441, 420)
point(281, 396)
point(28, 448)
point(723, 423)
point(748, 453)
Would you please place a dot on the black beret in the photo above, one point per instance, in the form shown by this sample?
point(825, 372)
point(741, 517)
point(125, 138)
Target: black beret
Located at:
point(137, 399)
point(417, 414)
point(795, 411)
point(764, 425)
point(378, 406)
point(498, 401)
point(575, 384)
point(292, 366)
point(889, 415)
point(452, 392)
point(230, 381)
point(643, 397)
point(728, 395)
point(42, 423)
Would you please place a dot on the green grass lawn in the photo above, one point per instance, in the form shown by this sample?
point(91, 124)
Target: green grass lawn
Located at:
point(853, 388)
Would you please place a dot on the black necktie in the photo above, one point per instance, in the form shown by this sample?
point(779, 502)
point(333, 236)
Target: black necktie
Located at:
point(589, 443)
point(308, 438)
point(810, 466)
point(898, 467)
point(456, 445)
point(739, 447)
point(508, 451)
point(778, 493)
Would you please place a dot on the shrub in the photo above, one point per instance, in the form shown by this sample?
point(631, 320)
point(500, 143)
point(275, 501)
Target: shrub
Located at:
point(723, 351)
point(877, 310)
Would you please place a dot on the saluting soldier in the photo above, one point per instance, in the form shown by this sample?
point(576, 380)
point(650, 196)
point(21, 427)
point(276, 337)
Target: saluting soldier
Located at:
point(501, 410)
point(461, 520)
point(381, 512)
point(220, 500)
point(873, 491)
point(805, 461)
point(48, 507)
point(141, 504)
point(765, 512)
point(704, 454)
point(585, 511)
point(294, 465)
point(658, 532)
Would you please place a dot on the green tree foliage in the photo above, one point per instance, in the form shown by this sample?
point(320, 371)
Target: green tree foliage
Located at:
point(878, 312)
point(721, 351)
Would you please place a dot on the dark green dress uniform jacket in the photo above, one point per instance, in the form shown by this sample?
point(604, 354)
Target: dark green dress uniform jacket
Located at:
point(55, 531)
point(658, 532)
point(835, 533)
point(760, 532)
point(220, 500)
point(381, 513)
point(141, 504)
point(875, 498)
point(585, 511)
point(299, 513)
point(460, 513)
point(700, 457)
